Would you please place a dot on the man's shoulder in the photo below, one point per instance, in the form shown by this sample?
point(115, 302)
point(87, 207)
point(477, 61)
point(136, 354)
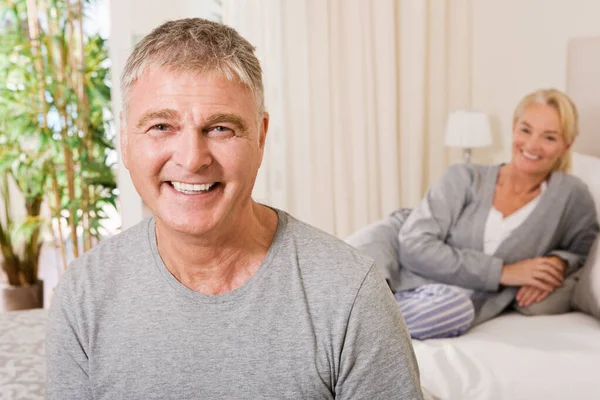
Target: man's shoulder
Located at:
point(316, 241)
point(325, 255)
point(127, 243)
point(113, 256)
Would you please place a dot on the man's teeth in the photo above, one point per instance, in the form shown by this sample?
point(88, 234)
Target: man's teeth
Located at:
point(531, 156)
point(190, 188)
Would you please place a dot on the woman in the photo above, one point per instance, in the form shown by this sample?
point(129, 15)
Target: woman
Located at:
point(484, 236)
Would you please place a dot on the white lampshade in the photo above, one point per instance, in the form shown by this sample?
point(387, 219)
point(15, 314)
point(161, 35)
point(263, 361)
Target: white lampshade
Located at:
point(468, 129)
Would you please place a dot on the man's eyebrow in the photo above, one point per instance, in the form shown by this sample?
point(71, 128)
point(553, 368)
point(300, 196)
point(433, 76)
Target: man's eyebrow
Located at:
point(164, 113)
point(226, 118)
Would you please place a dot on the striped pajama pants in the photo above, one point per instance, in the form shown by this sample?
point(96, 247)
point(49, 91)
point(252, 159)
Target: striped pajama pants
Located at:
point(436, 311)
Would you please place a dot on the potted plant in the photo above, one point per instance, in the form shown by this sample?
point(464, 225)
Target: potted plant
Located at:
point(55, 131)
point(20, 243)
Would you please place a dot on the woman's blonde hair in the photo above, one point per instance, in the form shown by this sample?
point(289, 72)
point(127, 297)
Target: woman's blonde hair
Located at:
point(567, 115)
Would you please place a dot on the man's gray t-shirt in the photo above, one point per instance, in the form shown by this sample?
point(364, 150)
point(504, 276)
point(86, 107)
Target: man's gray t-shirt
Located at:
point(316, 321)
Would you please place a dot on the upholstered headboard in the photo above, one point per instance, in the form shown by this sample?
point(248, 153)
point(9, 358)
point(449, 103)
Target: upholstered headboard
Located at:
point(583, 85)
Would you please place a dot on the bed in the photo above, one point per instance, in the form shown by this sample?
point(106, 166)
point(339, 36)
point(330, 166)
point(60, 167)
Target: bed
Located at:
point(516, 357)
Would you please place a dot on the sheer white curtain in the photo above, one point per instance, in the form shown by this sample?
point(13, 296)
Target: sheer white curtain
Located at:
point(358, 92)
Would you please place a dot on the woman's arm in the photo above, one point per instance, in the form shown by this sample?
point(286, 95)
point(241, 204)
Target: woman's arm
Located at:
point(580, 229)
point(422, 239)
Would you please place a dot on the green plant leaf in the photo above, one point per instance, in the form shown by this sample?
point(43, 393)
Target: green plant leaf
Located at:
point(24, 231)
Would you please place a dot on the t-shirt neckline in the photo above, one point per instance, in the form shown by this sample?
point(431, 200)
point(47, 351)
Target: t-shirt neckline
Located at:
point(182, 290)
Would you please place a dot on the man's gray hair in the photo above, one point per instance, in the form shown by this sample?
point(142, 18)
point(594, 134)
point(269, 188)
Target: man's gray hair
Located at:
point(196, 45)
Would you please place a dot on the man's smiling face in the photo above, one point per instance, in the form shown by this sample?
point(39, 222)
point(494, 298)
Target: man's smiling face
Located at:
point(193, 144)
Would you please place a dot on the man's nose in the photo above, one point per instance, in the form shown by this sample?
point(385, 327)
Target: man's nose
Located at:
point(192, 150)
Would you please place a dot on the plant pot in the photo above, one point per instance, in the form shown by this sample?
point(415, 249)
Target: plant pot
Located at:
point(13, 298)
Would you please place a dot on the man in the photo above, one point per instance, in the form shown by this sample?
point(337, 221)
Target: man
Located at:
point(216, 296)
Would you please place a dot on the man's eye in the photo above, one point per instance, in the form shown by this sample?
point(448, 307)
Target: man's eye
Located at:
point(525, 130)
point(160, 127)
point(551, 138)
point(220, 131)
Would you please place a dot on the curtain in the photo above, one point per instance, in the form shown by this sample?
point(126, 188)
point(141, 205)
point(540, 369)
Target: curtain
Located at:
point(358, 92)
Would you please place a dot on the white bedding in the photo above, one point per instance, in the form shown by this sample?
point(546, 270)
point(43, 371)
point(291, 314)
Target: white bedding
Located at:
point(516, 357)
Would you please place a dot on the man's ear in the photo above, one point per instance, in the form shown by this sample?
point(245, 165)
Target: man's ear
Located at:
point(123, 139)
point(263, 128)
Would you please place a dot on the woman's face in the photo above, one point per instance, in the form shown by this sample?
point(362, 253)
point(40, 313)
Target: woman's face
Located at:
point(538, 141)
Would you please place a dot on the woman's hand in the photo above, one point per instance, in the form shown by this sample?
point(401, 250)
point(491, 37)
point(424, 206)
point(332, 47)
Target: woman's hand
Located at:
point(543, 273)
point(528, 295)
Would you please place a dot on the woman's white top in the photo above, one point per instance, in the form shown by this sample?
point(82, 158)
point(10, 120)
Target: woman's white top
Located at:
point(498, 228)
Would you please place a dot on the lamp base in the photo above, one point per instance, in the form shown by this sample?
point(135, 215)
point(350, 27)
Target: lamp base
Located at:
point(467, 155)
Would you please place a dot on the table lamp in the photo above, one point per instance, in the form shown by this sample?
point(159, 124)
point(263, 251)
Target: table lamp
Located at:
point(468, 129)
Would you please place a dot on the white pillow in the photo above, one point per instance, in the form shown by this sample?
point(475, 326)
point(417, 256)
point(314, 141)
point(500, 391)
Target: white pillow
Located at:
point(586, 296)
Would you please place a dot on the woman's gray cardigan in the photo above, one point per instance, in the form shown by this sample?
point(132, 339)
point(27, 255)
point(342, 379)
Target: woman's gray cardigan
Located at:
point(441, 241)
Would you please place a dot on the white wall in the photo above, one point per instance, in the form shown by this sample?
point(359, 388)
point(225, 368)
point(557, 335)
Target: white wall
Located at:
point(517, 47)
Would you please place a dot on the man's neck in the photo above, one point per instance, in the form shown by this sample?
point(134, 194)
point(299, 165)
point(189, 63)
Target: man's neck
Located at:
point(223, 262)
